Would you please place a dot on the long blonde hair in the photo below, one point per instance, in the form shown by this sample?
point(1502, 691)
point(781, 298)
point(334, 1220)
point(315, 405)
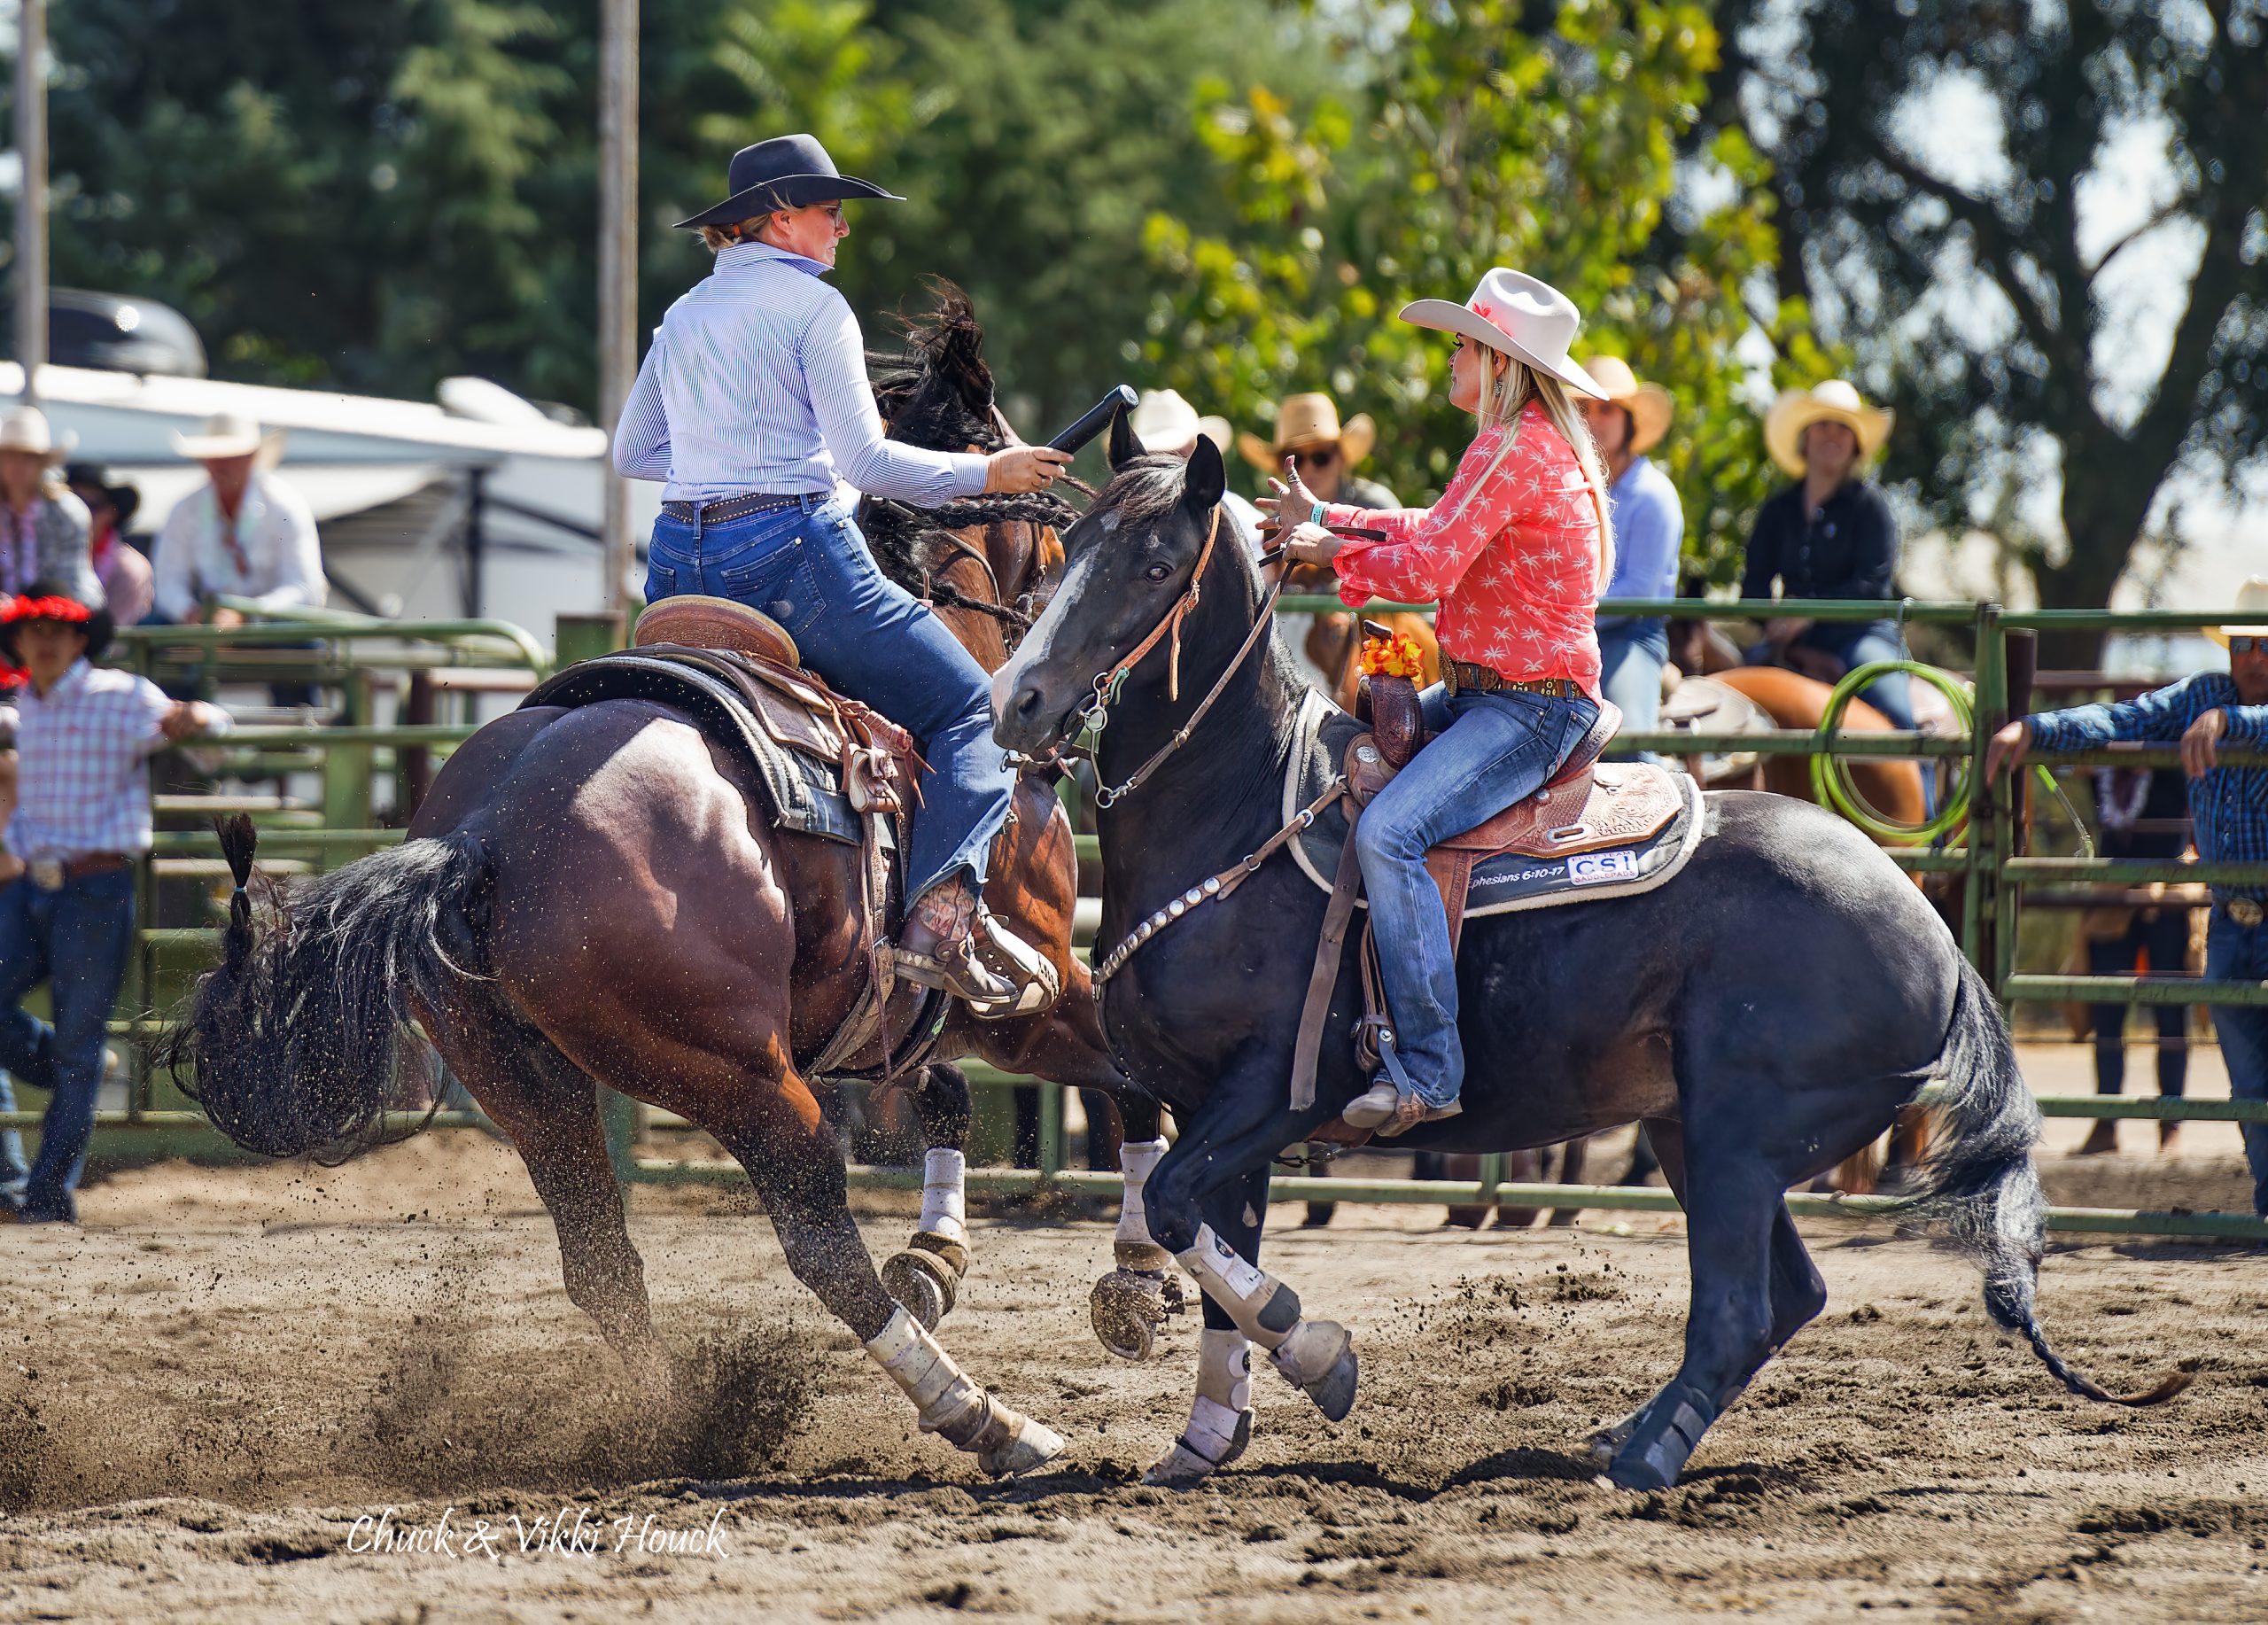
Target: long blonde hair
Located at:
point(1502, 396)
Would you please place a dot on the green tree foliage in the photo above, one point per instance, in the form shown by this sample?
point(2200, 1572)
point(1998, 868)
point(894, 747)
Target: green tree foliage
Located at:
point(1541, 136)
point(1964, 266)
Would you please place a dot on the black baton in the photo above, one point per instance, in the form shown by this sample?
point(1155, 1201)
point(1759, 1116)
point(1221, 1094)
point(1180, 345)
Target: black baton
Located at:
point(1096, 419)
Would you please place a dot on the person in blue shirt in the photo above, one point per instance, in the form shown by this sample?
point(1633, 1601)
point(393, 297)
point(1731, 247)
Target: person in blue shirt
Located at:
point(1649, 530)
point(2228, 811)
point(753, 404)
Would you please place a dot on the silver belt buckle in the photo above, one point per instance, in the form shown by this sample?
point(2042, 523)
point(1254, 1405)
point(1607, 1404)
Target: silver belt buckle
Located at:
point(46, 873)
point(2246, 911)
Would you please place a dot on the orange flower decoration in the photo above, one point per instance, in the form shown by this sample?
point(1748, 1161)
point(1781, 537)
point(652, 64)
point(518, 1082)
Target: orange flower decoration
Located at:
point(1393, 656)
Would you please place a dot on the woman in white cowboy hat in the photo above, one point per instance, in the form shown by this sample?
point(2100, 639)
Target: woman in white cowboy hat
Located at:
point(1325, 452)
point(1517, 550)
point(1626, 423)
point(43, 528)
point(753, 404)
point(242, 534)
point(1830, 535)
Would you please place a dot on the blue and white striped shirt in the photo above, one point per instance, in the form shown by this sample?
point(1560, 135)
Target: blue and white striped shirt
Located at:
point(757, 382)
point(2228, 807)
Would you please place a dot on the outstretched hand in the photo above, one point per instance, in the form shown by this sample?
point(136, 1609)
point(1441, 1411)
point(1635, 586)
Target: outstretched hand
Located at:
point(1292, 500)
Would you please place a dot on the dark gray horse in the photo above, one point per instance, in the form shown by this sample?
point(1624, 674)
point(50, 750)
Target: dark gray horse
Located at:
point(1764, 1014)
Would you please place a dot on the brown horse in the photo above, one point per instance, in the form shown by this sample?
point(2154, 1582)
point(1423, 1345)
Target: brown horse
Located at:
point(594, 895)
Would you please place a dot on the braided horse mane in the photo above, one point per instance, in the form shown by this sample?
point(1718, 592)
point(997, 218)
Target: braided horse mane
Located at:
point(937, 393)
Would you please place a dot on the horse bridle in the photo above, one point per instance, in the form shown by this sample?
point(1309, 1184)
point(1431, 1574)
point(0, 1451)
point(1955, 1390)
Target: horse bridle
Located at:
point(1095, 714)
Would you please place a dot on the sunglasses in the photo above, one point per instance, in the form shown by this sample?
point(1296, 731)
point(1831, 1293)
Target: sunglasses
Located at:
point(1319, 457)
point(2248, 645)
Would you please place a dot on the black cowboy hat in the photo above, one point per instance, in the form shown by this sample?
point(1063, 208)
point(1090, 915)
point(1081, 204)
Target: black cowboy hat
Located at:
point(787, 172)
point(15, 612)
point(125, 498)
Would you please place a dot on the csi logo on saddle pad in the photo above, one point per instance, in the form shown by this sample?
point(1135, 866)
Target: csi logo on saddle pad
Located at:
point(1506, 881)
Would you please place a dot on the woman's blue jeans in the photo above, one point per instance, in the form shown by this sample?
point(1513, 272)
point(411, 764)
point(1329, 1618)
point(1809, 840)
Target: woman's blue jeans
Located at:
point(1490, 751)
point(1857, 643)
point(808, 568)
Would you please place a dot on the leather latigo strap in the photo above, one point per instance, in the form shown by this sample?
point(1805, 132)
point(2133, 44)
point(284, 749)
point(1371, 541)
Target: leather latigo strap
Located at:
point(1330, 949)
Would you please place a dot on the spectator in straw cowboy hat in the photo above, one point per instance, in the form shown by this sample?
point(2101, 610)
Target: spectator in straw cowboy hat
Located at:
point(2228, 814)
point(1649, 532)
point(43, 528)
point(85, 736)
point(243, 534)
point(1164, 421)
point(1830, 535)
point(119, 565)
point(1309, 431)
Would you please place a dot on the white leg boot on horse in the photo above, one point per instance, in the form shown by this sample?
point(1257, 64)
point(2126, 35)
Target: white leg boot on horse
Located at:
point(1128, 1305)
point(951, 1406)
point(926, 1275)
point(1316, 1356)
point(1220, 1417)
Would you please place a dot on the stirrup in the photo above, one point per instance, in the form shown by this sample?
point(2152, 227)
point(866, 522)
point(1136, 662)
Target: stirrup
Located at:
point(1391, 1107)
point(996, 973)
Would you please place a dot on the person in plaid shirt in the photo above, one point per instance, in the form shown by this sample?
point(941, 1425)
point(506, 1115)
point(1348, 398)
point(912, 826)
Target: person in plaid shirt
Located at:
point(2228, 809)
point(83, 740)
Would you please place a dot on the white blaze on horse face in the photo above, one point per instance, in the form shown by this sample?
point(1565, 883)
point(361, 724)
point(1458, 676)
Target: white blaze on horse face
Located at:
point(1039, 643)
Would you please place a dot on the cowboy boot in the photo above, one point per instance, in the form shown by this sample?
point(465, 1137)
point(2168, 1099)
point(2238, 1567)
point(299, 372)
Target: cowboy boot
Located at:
point(951, 941)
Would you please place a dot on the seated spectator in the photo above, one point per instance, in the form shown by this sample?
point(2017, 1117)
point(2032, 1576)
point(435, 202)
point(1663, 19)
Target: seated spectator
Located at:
point(1830, 535)
point(1308, 432)
point(83, 739)
point(43, 527)
point(2228, 814)
point(118, 564)
point(243, 534)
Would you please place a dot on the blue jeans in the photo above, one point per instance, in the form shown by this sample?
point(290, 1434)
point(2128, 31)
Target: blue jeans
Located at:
point(1492, 751)
point(1857, 643)
point(77, 939)
point(1631, 656)
point(2237, 953)
point(808, 568)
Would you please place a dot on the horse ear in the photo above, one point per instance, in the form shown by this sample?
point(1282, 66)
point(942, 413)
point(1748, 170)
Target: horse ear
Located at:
point(1207, 479)
point(1125, 447)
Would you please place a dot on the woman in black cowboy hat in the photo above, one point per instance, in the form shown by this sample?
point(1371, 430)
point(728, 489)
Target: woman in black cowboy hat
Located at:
point(119, 565)
point(753, 404)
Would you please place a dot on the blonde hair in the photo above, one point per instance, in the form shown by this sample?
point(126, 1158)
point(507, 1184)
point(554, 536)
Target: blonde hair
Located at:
point(1504, 394)
point(720, 237)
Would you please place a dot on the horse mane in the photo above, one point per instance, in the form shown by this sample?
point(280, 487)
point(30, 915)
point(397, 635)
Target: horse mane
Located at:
point(935, 392)
point(1144, 489)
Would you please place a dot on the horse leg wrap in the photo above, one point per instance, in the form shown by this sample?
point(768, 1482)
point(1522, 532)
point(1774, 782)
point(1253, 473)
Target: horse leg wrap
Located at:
point(951, 1406)
point(1315, 1355)
point(1656, 1451)
point(1220, 1417)
point(1132, 1246)
point(945, 1211)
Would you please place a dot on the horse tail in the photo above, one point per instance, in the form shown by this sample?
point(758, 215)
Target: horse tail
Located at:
point(1979, 1182)
point(289, 1044)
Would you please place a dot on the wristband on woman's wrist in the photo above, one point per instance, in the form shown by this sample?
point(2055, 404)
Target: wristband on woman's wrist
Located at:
point(1315, 515)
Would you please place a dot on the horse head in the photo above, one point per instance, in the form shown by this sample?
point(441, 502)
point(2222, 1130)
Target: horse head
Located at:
point(1131, 574)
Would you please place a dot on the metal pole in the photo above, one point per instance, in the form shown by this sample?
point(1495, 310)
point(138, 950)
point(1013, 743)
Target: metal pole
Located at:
point(31, 197)
point(618, 269)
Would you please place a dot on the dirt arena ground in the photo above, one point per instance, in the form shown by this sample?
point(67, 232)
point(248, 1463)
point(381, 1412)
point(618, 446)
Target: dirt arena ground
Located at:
point(205, 1388)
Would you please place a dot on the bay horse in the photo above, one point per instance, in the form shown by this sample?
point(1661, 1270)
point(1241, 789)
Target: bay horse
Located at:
point(595, 896)
point(1765, 1012)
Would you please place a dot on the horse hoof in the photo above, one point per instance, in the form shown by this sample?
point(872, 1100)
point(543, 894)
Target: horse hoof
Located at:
point(1128, 1307)
point(1319, 1357)
point(1603, 1442)
point(1029, 1445)
point(1655, 1467)
point(925, 1283)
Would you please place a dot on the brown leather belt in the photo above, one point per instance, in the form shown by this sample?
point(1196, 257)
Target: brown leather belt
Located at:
point(2244, 911)
point(730, 507)
point(51, 874)
point(1459, 675)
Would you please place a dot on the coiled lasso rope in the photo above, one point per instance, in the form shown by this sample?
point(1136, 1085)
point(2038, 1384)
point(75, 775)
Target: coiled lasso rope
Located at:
point(1833, 782)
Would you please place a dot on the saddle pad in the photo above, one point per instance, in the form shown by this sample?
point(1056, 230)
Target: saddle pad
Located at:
point(1508, 881)
point(797, 754)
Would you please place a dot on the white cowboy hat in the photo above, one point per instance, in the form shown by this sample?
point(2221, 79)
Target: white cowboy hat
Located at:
point(1163, 421)
point(1831, 402)
point(1649, 404)
point(224, 434)
point(1305, 421)
point(2251, 598)
point(26, 429)
point(1527, 319)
